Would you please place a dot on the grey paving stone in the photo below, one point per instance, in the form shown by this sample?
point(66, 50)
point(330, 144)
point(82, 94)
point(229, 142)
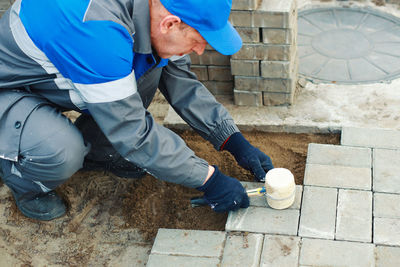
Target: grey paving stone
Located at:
point(261, 201)
point(318, 212)
point(278, 36)
point(245, 98)
point(181, 261)
point(387, 205)
point(242, 250)
point(249, 35)
point(263, 220)
point(244, 4)
point(386, 169)
point(338, 176)
point(278, 69)
point(210, 57)
point(277, 99)
point(220, 73)
point(219, 88)
point(339, 155)
point(354, 216)
point(200, 71)
point(276, 14)
point(318, 252)
point(264, 84)
point(189, 243)
point(266, 52)
point(245, 67)
point(387, 256)
point(367, 137)
point(387, 231)
point(270, 14)
point(280, 251)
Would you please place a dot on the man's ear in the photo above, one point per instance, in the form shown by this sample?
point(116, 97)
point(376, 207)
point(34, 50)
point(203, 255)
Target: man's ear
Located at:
point(168, 23)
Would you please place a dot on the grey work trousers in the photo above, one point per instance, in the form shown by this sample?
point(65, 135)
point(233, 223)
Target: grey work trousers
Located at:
point(51, 148)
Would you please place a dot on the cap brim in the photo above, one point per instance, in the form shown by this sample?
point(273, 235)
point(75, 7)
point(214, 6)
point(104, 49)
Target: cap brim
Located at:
point(226, 40)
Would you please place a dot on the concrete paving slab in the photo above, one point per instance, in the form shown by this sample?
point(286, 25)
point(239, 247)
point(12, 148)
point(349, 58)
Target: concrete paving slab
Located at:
point(263, 220)
point(386, 205)
point(338, 176)
point(387, 256)
point(318, 252)
point(318, 212)
point(242, 250)
point(354, 216)
point(261, 201)
point(386, 169)
point(370, 137)
point(156, 260)
point(193, 243)
point(280, 251)
point(339, 155)
point(387, 231)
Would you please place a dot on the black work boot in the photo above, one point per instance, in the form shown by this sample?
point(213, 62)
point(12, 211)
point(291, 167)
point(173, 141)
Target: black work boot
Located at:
point(102, 155)
point(42, 206)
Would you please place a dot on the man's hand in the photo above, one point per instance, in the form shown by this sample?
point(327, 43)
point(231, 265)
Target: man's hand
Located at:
point(248, 156)
point(224, 193)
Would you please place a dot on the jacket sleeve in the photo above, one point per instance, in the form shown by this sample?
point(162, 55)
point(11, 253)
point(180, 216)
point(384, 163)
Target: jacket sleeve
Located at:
point(195, 104)
point(139, 139)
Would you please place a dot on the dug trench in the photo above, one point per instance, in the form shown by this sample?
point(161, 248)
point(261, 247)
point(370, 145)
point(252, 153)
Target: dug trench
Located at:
point(150, 204)
point(105, 210)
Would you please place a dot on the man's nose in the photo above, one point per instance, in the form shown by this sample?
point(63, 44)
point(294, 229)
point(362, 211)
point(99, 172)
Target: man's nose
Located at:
point(199, 49)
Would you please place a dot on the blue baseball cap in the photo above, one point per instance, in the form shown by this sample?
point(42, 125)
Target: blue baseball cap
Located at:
point(210, 19)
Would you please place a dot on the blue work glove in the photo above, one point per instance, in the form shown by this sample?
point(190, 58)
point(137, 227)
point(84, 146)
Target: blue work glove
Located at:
point(224, 193)
point(248, 156)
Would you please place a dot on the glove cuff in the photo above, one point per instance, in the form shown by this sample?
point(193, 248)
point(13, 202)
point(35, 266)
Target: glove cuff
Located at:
point(236, 143)
point(211, 181)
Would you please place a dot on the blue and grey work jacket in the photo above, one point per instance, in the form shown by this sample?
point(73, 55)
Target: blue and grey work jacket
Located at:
point(95, 56)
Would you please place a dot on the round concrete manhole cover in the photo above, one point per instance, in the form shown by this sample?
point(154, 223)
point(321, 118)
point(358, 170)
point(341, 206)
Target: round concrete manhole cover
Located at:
point(348, 45)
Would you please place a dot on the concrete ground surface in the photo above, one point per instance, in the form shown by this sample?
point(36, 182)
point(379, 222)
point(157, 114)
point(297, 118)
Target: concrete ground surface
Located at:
point(320, 108)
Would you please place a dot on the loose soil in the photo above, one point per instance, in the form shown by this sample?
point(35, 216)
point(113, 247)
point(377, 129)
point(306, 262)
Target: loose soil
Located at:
point(158, 204)
point(108, 215)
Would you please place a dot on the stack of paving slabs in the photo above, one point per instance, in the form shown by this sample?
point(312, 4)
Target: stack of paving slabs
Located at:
point(266, 68)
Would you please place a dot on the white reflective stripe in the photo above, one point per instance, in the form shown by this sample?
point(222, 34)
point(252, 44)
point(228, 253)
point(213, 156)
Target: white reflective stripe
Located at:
point(109, 91)
point(25, 43)
point(63, 83)
point(42, 186)
point(175, 58)
point(76, 99)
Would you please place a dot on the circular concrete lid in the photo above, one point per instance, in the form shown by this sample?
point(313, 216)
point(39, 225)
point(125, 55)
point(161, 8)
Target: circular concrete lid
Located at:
point(348, 45)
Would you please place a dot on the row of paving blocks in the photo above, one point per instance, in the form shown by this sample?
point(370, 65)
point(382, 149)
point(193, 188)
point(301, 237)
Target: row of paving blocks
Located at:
point(347, 213)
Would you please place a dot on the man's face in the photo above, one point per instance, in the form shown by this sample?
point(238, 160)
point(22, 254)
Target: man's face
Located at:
point(178, 41)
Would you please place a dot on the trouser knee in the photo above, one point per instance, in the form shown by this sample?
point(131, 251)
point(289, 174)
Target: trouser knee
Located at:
point(47, 158)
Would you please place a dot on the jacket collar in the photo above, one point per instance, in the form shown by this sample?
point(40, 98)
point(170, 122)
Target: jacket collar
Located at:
point(141, 20)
